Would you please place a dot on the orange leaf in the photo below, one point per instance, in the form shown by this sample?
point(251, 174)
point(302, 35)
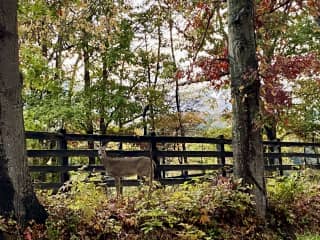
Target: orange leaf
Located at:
point(204, 218)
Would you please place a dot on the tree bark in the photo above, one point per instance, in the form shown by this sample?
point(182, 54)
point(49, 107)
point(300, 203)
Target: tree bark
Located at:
point(16, 190)
point(87, 89)
point(245, 92)
point(177, 97)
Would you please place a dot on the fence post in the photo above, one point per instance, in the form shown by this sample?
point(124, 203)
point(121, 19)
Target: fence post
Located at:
point(222, 158)
point(272, 149)
point(153, 143)
point(278, 150)
point(64, 161)
point(92, 160)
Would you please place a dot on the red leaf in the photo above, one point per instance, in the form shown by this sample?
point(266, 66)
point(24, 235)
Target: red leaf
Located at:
point(27, 234)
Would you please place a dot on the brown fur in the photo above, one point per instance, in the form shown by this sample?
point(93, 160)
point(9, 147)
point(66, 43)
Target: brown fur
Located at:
point(119, 167)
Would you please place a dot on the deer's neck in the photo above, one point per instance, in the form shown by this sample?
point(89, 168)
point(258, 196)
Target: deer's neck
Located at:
point(105, 159)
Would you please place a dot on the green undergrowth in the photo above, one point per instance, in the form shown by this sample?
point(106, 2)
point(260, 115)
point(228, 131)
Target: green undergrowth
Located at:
point(211, 208)
point(309, 237)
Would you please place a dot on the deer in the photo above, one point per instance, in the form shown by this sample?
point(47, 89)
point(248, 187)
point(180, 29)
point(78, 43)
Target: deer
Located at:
point(119, 167)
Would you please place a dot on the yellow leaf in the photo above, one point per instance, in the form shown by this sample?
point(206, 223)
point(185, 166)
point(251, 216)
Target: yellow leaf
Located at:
point(204, 216)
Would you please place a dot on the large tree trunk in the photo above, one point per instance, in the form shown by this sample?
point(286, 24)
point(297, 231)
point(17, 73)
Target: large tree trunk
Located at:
point(16, 190)
point(245, 88)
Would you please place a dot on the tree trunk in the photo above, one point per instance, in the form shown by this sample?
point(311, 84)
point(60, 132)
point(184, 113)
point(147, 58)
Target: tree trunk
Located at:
point(16, 190)
point(87, 89)
point(245, 88)
point(177, 97)
point(102, 121)
point(144, 120)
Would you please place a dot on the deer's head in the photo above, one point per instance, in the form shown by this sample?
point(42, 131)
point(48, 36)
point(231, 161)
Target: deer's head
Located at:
point(102, 152)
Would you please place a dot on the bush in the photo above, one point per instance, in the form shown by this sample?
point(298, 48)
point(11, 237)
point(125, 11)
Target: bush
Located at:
point(217, 208)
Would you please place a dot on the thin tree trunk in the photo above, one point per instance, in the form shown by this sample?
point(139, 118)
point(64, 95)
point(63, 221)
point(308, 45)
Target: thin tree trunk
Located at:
point(102, 122)
point(177, 96)
point(245, 92)
point(16, 189)
point(72, 80)
point(144, 120)
point(150, 85)
point(87, 86)
point(58, 59)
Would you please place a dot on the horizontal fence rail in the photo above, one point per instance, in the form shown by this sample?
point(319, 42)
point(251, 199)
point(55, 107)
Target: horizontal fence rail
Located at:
point(62, 151)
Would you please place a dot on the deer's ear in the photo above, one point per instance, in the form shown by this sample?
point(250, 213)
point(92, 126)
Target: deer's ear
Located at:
point(104, 143)
point(101, 148)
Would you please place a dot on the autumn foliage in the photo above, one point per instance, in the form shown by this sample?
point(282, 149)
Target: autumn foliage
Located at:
point(213, 208)
point(279, 67)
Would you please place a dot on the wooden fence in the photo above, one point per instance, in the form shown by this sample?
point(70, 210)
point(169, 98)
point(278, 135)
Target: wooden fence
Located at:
point(279, 156)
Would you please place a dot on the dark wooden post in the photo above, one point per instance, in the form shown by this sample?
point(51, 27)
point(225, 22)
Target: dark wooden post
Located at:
point(278, 150)
point(305, 158)
point(163, 161)
point(271, 160)
point(153, 153)
point(92, 160)
point(315, 149)
point(221, 158)
point(64, 161)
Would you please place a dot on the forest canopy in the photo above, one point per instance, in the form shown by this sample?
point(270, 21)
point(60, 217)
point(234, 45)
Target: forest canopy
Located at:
point(99, 66)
